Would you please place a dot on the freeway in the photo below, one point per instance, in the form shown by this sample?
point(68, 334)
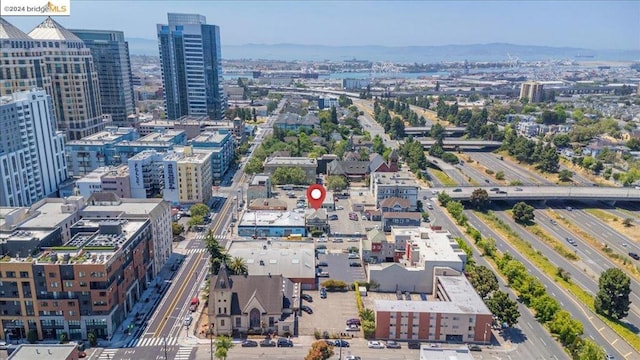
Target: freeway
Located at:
point(539, 193)
point(596, 261)
point(511, 171)
point(460, 143)
point(531, 340)
point(593, 326)
point(580, 277)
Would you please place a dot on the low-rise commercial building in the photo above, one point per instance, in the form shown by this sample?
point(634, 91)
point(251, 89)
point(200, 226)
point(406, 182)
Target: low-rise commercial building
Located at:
point(455, 314)
point(272, 224)
point(293, 260)
point(427, 252)
point(259, 187)
point(54, 351)
point(308, 165)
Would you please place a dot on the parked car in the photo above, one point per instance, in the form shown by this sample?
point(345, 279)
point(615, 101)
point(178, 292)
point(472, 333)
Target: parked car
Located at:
point(352, 327)
point(339, 207)
point(333, 217)
point(282, 342)
point(457, 190)
point(337, 240)
point(341, 343)
point(306, 309)
point(355, 264)
point(474, 347)
point(307, 297)
point(494, 189)
point(323, 274)
point(352, 357)
point(322, 264)
point(3, 345)
point(393, 344)
point(323, 294)
point(249, 343)
point(188, 320)
point(353, 322)
point(267, 343)
point(353, 256)
point(373, 344)
point(414, 345)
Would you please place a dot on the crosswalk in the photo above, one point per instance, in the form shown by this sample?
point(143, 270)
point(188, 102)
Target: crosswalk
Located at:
point(184, 353)
point(156, 341)
point(195, 251)
point(108, 354)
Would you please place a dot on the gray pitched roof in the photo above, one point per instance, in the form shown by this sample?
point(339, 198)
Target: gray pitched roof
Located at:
point(375, 160)
point(268, 290)
point(10, 32)
point(49, 29)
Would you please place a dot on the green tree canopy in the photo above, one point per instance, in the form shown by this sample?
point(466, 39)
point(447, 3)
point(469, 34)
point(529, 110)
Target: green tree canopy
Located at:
point(289, 175)
point(479, 198)
point(336, 182)
point(505, 309)
point(482, 279)
point(222, 345)
point(565, 175)
point(176, 228)
point(613, 294)
point(567, 328)
point(545, 307)
point(199, 209)
point(523, 213)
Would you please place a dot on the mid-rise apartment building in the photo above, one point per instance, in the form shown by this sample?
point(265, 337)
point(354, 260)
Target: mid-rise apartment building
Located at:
point(146, 174)
point(161, 141)
point(187, 176)
point(532, 91)
point(388, 185)
point(79, 265)
point(74, 80)
point(110, 54)
point(106, 179)
point(191, 60)
point(221, 144)
point(97, 150)
point(32, 162)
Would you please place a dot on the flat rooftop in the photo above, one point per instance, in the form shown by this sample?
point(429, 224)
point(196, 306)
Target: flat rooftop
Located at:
point(211, 137)
point(259, 178)
point(289, 161)
point(165, 136)
point(393, 179)
point(291, 259)
point(464, 300)
point(272, 219)
point(40, 351)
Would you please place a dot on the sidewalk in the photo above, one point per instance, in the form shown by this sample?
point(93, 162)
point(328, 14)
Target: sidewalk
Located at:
point(142, 310)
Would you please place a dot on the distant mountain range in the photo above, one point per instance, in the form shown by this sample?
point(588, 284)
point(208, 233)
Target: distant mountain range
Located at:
point(403, 54)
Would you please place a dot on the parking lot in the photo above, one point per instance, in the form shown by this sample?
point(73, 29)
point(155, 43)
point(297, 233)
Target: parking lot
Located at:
point(339, 268)
point(329, 314)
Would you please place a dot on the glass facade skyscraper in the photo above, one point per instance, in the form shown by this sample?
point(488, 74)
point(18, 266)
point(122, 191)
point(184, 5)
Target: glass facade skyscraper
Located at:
point(112, 62)
point(191, 63)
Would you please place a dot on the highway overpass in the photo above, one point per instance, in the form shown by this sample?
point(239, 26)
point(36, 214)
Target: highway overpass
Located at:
point(452, 143)
point(426, 130)
point(543, 193)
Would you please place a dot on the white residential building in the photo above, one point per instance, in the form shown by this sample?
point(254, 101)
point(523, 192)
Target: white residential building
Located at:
point(187, 176)
point(32, 162)
point(388, 185)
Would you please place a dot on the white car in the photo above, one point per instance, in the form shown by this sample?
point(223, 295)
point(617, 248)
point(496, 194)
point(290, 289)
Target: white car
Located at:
point(375, 345)
point(339, 207)
point(352, 327)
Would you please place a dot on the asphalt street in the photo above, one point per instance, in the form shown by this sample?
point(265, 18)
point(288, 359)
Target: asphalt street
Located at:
point(578, 276)
point(529, 339)
point(593, 326)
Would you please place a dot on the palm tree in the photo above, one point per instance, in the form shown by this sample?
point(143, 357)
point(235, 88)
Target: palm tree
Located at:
point(238, 266)
point(223, 344)
point(367, 314)
point(216, 251)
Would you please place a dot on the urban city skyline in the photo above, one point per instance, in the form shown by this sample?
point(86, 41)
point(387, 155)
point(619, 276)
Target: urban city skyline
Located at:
point(612, 24)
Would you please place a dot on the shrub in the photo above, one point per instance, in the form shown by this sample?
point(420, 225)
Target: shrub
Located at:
point(316, 334)
point(32, 336)
point(335, 285)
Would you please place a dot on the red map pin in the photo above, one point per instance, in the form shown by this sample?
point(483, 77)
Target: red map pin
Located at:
point(315, 195)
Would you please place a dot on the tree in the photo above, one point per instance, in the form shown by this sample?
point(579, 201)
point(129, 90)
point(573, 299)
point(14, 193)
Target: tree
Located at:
point(500, 175)
point(444, 198)
point(216, 251)
point(320, 350)
point(612, 299)
point(336, 182)
point(482, 279)
point(367, 314)
point(523, 213)
point(32, 336)
point(565, 175)
point(378, 145)
point(590, 350)
point(176, 228)
point(93, 339)
point(505, 309)
point(199, 210)
point(289, 175)
point(223, 344)
point(565, 327)
point(196, 220)
point(479, 198)
point(238, 266)
point(545, 307)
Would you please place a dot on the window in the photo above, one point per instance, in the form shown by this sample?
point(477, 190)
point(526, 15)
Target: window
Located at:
point(54, 284)
point(24, 274)
point(238, 321)
point(52, 275)
point(222, 322)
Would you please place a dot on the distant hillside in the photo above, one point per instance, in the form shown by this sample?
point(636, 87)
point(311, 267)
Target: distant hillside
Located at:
point(403, 54)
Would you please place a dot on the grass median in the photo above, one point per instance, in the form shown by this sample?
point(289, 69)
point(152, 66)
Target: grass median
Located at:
point(543, 264)
point(442, 177)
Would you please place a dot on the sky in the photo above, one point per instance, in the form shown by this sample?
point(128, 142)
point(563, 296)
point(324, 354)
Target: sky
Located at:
point(587, 24)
